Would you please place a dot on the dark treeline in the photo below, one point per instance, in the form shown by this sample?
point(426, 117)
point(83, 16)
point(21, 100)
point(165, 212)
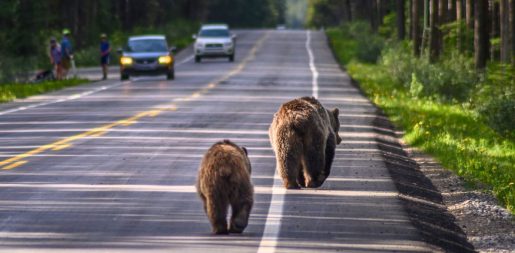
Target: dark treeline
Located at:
point(25, 24)
point(482, 28)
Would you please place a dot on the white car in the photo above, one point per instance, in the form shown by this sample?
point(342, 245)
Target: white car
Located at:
point(214, 41)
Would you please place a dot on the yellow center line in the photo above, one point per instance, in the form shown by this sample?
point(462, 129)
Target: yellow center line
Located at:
point(61, 147)
point(14, 165)
point(15, 161)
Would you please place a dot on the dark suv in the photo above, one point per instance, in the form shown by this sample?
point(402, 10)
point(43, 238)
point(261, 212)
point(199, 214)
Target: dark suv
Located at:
point(147, 55)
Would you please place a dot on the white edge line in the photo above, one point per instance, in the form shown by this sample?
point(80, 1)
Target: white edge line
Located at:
point(78, 95)
point(270, 236)
point(312, 66)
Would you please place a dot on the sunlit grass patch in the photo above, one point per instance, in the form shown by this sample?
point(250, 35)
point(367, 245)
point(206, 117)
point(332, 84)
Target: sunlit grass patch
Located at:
point(456, 135)
point(9, 92)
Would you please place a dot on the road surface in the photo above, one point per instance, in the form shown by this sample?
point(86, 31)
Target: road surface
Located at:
point(110, 166)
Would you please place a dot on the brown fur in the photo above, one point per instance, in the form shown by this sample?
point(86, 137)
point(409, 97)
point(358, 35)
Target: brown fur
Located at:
point(223, 180)
point(304, 136)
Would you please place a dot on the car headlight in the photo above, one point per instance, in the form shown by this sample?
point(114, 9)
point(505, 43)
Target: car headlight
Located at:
point(228, 44)
point(199, 44)
point(126, 60)
point(165, 59)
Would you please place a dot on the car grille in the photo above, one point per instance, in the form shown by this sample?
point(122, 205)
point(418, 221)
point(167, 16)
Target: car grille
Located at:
point(214, 45)
point(146, 61)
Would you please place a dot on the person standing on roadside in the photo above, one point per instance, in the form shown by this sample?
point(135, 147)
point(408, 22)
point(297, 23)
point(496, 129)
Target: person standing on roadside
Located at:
point(56, 58)
point(66, 53)
point(105, 50)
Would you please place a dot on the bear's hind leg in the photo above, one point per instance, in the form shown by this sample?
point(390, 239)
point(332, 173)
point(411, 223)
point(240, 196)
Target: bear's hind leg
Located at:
point(217, 214)
point(240, 216)
point(301, 180)
point(288, 153)
point(330, 151)
point(314, 164)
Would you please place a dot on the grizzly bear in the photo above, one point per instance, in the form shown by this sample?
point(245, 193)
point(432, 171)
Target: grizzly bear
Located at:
point(304, 135)
point(223, 180)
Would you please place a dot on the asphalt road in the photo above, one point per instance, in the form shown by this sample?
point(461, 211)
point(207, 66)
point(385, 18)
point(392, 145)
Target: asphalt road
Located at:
point(110, 166)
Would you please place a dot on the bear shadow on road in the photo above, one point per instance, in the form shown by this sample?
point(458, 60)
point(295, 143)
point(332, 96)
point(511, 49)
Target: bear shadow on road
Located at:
point(421, 200)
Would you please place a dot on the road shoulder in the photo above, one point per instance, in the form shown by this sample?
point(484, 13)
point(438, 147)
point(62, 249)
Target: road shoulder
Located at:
point(447, 212)
point(488, 226)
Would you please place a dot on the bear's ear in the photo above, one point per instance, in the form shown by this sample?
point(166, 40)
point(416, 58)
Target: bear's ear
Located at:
point(336, 112)
point(245, 150)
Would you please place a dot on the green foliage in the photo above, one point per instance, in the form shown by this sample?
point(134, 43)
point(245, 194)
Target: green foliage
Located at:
point(388, 29)
point(500, 115)
point(446, 109)
point(17, 69)
point(321, 13)
point(365, 45)
point(336, 38)
point(451, 79)
point(9, 92)
point(455, 32)
point(296, 11)
point(457, 137)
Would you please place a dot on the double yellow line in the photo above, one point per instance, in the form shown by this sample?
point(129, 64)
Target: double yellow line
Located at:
point(18, 160)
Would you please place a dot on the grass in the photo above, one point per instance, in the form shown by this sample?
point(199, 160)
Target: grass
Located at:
point(456, 136)
point(10, 92)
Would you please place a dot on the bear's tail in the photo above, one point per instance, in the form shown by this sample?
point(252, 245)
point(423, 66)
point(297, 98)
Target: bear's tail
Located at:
point(288, 149)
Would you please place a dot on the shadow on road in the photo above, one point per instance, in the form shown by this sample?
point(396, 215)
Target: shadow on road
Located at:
point(422, 201)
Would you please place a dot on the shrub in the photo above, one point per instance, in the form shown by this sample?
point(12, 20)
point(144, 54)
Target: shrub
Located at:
point(451, 79)
point(368, 44)
point(500, 115)
point(17, 69)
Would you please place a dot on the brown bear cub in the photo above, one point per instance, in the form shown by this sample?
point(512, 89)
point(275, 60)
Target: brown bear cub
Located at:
point(223, 180)
point(304, 135)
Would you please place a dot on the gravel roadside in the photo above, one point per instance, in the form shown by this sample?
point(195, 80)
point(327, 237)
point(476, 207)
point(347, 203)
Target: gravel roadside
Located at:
point(448, 214)
point(488, 226)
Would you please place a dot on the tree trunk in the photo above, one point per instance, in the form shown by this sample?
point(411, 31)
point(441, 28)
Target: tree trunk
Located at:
point(400, 20)
point(410, 17)
point(443, 12)
point(415, 26)
point(469, 15)
point(493, 6)
point(451, 10)
point(512, 31)
point(381, 11)
point(459, 18)
point(505, 31)
point(443, 18)
point(481, 34)
point(433, 32)
point(348, 10)
point(373, 15)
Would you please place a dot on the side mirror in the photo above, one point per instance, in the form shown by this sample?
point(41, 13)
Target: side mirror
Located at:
point(234, 36)
point(173, 50)
point(194, 36)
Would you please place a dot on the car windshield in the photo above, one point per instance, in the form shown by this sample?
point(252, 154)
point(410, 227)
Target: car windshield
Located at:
point(214, 33)
point(147, 45)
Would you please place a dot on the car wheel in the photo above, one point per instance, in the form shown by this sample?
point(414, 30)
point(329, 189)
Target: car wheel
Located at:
point(170, 75)
point(231, 57)
point(197, 59)
point(124, 77)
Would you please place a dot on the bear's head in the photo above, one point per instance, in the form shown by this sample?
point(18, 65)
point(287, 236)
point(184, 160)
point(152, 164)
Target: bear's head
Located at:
point(335, 123)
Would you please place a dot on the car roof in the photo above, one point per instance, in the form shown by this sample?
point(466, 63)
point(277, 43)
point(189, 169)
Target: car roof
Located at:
point(214, 26)
point(148, 37)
